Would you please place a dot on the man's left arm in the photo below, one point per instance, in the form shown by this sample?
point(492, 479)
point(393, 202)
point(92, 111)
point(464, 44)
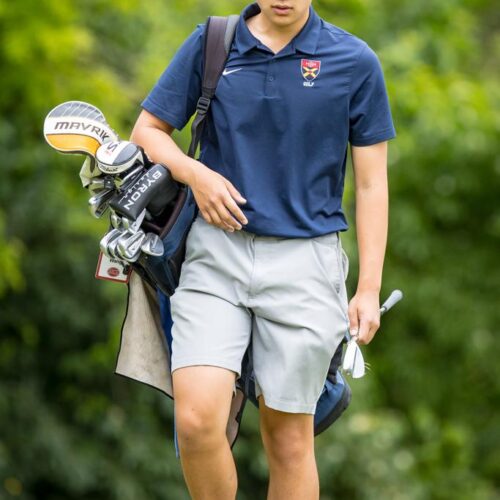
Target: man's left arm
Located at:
point(372, 200)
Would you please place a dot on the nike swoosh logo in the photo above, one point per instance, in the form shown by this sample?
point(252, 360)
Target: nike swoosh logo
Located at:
point(229, 71)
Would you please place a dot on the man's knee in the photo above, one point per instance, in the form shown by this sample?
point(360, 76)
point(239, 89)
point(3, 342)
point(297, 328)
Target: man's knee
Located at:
point(202, 397)
point(288, 437)
point(197, 426)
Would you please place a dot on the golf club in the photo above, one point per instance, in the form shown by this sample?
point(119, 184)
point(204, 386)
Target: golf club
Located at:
point(134, 226)
point(77, 127)
point(130, 247)
point(118, 157)
point(115, 219)
point(353, 362)
point(121, 244)
point(152, 245)
point(113, 247)
point(96, 185)
point(392, 300)
point(107, 238)
point(99, 203)
point(124, 182)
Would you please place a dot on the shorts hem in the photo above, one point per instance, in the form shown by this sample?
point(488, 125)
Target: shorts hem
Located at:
point(183, 362)
point(289, 407)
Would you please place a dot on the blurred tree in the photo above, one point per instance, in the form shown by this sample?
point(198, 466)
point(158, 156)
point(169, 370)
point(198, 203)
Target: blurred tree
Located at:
point(71, 428)
point(422, 423)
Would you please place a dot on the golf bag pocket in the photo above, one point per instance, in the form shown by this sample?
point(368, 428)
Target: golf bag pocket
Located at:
point(163, 272)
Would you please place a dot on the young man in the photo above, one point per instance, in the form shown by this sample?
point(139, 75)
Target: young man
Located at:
point(263, 257)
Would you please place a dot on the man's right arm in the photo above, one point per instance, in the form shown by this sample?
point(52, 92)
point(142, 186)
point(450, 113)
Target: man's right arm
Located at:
point(215, 196)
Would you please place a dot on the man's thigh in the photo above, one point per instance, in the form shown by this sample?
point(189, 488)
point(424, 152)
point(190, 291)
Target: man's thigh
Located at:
point(208, 330)
point(300, 319)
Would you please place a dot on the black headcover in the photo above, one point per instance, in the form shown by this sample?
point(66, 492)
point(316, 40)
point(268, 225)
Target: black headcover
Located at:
point(154, 190)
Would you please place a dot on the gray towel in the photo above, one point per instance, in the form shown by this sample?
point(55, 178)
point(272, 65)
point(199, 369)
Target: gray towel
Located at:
point(144, 354)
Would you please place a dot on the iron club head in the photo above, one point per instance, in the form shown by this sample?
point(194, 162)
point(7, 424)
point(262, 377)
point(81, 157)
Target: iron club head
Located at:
point(107, 238)
point(131, 248)
point(152, 245)
point(115, 219)
point(134, 226)
point(99, 203)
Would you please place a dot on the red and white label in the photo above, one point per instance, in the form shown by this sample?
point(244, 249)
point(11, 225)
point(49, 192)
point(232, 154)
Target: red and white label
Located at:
point(112, 269)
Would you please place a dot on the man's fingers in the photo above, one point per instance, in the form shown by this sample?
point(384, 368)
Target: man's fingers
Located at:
point(216, 220)
point(368, 328)
point(235, 210)
point(352, 312)
point(374, 326)
point(219, 214)
point(234, 192)
point(206, 216)
point(364, 317)
point(221, 217)
point(364, 331)
point(218, 200)
point(227, 219)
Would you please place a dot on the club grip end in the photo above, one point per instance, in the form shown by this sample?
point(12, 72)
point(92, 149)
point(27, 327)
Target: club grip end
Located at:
point(393, 299)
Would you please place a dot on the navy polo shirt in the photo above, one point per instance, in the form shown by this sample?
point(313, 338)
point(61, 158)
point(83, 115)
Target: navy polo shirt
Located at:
point(280, 124)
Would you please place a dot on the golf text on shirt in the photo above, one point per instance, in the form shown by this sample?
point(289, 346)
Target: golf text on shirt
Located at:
point(280, 124)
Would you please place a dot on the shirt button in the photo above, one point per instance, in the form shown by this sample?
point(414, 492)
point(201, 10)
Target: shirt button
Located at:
point(271, 78)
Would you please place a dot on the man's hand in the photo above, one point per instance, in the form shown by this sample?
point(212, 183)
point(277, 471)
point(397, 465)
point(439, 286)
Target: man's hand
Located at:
point(217, 199)
point(364, 315)
point(215, 196)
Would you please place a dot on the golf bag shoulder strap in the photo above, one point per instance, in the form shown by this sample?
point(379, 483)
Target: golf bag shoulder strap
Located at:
point(219, 34)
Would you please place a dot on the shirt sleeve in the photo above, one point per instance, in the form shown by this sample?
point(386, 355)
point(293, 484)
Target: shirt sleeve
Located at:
point(370, 119)
point(173, 98)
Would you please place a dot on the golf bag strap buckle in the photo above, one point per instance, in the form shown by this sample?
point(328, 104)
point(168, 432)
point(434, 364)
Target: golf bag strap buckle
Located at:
point(202, 105)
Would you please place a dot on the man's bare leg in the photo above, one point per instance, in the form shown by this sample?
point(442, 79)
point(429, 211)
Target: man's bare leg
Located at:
point(202, 402)
point(288, 440)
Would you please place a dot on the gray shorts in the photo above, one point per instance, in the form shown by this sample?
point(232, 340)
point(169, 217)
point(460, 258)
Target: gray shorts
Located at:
point(287, 295)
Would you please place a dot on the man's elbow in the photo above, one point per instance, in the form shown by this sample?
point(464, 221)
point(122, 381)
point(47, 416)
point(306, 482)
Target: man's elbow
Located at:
point(146, 122)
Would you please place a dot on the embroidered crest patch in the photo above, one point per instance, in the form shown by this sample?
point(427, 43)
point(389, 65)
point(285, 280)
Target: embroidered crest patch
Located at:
point(310, 69)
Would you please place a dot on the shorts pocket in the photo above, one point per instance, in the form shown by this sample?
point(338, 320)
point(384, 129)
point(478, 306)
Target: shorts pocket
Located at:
point(345, 263)
point(327, 256)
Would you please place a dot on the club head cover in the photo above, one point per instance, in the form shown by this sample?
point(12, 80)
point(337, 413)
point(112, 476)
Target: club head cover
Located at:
point(153, 190)
point(76, 127)
point(118, 157)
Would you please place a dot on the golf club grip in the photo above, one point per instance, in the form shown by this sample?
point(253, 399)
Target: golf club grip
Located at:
point(393, 299)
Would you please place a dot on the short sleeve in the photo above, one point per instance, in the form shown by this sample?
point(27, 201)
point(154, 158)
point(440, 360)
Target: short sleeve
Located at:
point(370, 119)
point(173, 98)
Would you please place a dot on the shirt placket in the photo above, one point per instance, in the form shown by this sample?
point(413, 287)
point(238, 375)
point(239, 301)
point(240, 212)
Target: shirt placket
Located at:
point(270, 82)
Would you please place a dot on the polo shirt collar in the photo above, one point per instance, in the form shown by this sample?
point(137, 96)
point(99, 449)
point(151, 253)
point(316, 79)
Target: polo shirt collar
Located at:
point(305, 41)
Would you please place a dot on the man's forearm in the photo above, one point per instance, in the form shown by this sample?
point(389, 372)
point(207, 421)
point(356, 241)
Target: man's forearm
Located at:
point(371, 228)
point(161, 148)
point(370, 171)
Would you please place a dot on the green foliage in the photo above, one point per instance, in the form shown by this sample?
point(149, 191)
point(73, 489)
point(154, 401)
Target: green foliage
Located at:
point(422, 422)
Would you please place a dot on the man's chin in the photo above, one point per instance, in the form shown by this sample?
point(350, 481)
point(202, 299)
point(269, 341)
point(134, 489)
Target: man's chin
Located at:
point(281, 20)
